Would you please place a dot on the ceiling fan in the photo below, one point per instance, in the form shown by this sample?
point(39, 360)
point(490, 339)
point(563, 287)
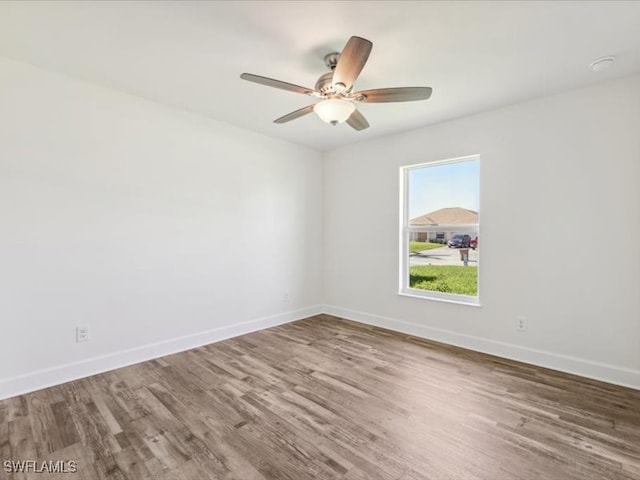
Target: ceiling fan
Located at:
point(335, 88)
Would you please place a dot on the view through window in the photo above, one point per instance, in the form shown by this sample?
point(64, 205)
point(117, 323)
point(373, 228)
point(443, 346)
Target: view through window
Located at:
point(440, 247)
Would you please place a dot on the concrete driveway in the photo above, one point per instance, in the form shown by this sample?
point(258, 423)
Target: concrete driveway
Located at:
point(442, 256)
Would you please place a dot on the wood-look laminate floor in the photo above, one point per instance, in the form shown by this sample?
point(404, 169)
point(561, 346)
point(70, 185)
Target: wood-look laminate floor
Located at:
point(325, 398)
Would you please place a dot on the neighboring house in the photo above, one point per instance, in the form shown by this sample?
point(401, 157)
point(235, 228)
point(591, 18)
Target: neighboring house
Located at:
point(446, 219)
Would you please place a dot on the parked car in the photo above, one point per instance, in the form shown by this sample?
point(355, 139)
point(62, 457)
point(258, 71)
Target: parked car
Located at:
point(473, 243)
point(459, 241)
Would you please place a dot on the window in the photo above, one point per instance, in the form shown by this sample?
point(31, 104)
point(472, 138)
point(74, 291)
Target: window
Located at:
point(440, 242)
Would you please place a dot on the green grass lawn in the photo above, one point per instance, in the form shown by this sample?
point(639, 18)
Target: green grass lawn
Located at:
point(420, 246)
point(445, 278)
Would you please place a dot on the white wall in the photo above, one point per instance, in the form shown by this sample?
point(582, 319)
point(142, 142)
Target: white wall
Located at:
point(150, 224)
point(560, 231)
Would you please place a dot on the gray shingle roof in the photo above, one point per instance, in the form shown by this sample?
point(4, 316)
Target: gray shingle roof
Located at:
point(446, 216)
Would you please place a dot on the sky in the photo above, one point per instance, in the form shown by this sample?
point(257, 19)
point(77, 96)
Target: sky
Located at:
point(447, 185)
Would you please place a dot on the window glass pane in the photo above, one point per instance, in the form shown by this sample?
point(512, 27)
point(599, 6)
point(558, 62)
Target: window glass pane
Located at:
point(435, 266)
point(441, 229)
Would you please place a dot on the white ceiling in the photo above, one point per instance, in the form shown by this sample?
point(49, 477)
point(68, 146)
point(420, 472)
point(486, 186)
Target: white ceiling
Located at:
point(476, 55)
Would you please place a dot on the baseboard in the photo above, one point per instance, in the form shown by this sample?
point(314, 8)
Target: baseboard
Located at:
point(59, 374)
point(577, 366)
point(37, 380)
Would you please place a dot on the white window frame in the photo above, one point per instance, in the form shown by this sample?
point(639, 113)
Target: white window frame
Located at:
point(406, 230)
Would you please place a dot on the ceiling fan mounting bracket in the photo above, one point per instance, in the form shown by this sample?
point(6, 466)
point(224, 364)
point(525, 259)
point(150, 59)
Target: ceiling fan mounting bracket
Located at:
point(331, 60)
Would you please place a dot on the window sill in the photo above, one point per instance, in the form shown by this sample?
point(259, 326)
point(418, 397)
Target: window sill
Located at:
point(442, 297)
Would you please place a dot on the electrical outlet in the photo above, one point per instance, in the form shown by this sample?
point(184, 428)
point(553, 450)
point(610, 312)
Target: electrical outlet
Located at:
point(83, 333)
point(521, 323)
point(285, 297)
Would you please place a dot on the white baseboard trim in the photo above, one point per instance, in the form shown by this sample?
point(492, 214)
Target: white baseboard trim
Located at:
point(586, 368)
point(11, 387)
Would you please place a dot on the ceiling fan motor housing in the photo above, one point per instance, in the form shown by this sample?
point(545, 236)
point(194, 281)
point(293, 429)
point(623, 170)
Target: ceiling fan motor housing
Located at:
point(324, 85)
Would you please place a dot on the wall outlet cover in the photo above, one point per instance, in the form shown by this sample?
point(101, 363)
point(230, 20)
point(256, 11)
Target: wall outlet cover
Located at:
point(83, 334)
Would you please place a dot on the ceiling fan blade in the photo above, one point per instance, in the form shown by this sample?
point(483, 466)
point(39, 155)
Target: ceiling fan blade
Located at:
point(270, 82)
point(385, 95)
point(357, 121)
point(293, 115)
point(351, 61)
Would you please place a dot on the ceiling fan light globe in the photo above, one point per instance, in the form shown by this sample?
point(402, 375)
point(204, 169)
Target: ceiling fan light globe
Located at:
point(334, 110)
